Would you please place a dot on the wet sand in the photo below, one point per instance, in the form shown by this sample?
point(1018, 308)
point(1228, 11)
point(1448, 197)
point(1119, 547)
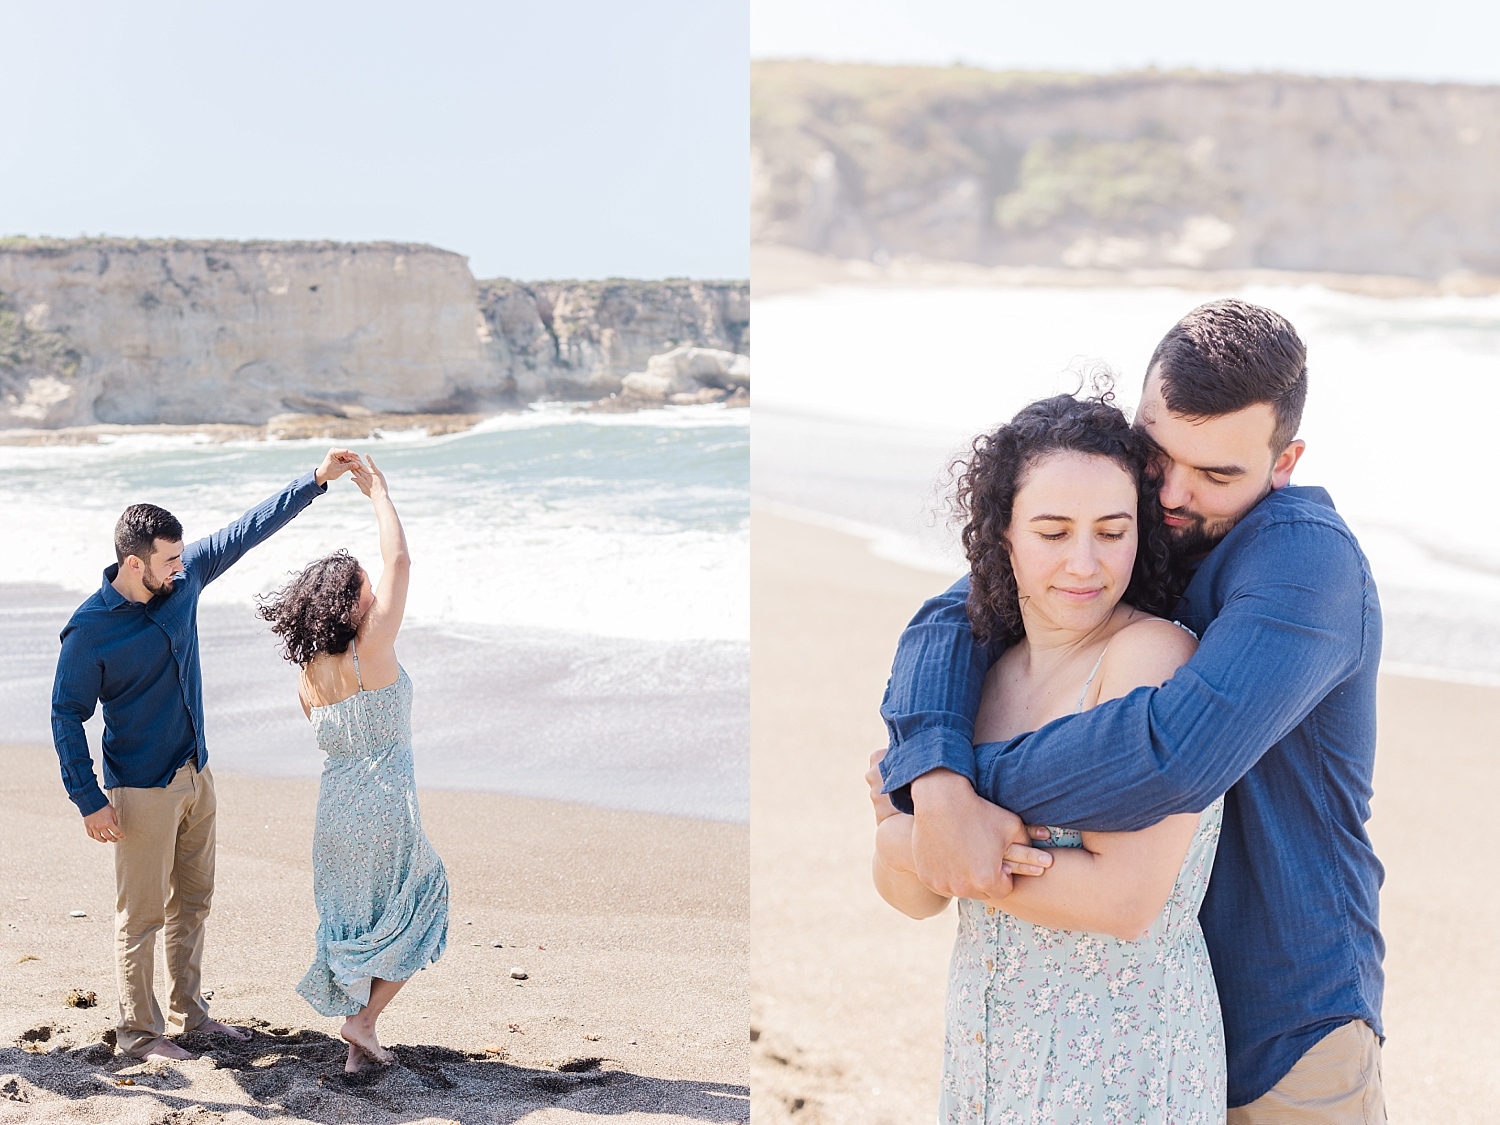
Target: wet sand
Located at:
point(847, 995)
point(631, 928)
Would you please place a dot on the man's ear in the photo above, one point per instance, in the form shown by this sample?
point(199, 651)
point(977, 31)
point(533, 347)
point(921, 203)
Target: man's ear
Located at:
point(1281, 471)
point(133, 564)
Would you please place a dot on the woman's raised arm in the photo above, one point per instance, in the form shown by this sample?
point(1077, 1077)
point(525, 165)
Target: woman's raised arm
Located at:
point(383, 620)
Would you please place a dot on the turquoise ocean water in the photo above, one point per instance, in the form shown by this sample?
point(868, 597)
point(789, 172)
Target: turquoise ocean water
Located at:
point(578, 624)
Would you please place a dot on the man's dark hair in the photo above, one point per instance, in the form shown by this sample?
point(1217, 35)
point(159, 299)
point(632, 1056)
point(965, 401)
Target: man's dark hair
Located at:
point(1227, 355)
point(139, 526)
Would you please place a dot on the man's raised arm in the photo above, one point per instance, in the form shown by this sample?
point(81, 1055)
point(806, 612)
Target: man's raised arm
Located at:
point(1298, 621)
point(214, 554)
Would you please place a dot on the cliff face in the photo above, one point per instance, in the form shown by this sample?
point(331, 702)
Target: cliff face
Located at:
point(1137, 170)
point(117, 331)
point(579, 339)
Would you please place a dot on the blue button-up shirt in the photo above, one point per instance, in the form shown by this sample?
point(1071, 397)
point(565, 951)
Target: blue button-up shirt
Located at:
point(141, 662)
point(1277, 708)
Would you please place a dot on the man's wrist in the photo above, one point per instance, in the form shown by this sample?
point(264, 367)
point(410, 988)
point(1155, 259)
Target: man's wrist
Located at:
point(939, 787)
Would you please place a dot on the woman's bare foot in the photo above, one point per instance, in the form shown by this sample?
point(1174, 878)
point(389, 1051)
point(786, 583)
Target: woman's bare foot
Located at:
point(214, 1027)
point(361, 1033)
point(165, 1049)
point(356, 1060)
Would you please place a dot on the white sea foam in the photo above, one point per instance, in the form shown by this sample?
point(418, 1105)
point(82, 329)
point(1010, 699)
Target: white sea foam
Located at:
point(630, 526)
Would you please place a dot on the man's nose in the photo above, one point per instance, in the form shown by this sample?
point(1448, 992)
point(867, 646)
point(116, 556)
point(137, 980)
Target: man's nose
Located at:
point(1174, 490)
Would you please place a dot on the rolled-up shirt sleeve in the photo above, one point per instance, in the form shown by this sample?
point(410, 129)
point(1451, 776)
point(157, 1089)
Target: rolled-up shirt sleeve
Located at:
point(75, 695)
point(933, 694)
point(1293, 627)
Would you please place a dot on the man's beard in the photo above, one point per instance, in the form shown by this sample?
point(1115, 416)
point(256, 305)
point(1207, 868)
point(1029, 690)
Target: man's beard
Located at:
point(154, 588)
point(1197, 538)
point(1200, 537)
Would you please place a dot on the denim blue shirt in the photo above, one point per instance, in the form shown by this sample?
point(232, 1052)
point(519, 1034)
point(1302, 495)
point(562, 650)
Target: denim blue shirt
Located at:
point(141, 662)
point(1277, 707)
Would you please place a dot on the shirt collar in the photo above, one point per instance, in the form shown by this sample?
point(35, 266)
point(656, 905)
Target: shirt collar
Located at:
point(113, 599)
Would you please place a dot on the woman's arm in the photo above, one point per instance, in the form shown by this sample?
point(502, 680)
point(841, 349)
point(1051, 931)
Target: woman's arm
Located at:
point(894, 868)
point(383, 620)
point(1118, 882)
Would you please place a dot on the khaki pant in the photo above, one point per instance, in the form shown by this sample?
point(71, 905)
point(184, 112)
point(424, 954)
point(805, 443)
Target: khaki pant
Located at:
point(164, 881)
point(1337, 1082)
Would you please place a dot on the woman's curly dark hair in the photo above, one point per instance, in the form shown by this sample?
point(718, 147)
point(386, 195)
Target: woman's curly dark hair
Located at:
point(317, 611)
point(987, 483)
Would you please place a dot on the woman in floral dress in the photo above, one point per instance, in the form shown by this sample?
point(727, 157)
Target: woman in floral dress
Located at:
point(1085, 996)
point(380, 888)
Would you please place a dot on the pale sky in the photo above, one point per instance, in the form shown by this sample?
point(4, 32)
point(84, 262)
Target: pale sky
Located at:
point(589, 138)
point(1436, 40)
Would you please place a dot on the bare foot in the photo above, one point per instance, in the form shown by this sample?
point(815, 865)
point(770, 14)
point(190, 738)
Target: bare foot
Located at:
point(355, 1032)
point(165, 1049)
point(214, 1027)
point(356, 1060)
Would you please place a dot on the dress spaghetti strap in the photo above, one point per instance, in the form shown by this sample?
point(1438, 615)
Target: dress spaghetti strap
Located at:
point(354, 648)
point(1087, 683)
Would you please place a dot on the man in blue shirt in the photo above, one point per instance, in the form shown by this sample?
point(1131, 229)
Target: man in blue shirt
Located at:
point(1277, 708)
point(133, 645)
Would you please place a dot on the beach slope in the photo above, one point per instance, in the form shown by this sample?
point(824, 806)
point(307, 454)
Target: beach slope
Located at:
point(847, 995)
point(631, 930)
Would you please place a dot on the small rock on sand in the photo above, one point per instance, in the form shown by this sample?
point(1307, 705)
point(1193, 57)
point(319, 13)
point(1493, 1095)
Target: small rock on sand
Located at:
point(518, 974)
point(77, 914)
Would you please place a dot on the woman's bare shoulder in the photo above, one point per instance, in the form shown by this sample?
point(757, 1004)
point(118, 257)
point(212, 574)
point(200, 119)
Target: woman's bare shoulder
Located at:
point(1144, 653)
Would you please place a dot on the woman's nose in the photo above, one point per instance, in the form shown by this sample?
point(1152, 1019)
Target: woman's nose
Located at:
point(1081, 559)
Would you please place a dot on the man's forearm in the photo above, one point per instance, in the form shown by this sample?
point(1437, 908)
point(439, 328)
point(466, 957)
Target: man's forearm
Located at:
point(77, 766)
point(936, 681)
point(216, 553)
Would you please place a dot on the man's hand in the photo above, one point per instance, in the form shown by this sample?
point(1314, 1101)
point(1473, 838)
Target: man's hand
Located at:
point(964, 846)
point(103, 826)
point(335, 464)
point(873, 778)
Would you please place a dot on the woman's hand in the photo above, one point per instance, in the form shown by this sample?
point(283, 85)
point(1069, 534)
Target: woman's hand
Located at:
point(893, 843)
point(369, 478)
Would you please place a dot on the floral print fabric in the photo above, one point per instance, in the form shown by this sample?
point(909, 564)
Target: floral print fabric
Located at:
point(1055, 1026)
point(380, 888)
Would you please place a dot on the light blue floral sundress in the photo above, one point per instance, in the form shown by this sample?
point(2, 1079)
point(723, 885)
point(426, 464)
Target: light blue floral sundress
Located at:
point(1056, 1027)
point(380, 888)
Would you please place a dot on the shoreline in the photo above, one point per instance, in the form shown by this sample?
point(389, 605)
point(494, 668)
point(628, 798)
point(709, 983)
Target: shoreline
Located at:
point(332, 427)
point(847, 995)
point(631, 928)
point(777, 270)
point(892, 546)
point(655, 727)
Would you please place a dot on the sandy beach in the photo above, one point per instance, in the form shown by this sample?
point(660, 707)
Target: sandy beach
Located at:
point(846, 994)
point(631, 929)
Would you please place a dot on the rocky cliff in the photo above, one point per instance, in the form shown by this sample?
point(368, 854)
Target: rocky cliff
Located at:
point(124, 331)
point(579, 339)
point(1205, 171)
